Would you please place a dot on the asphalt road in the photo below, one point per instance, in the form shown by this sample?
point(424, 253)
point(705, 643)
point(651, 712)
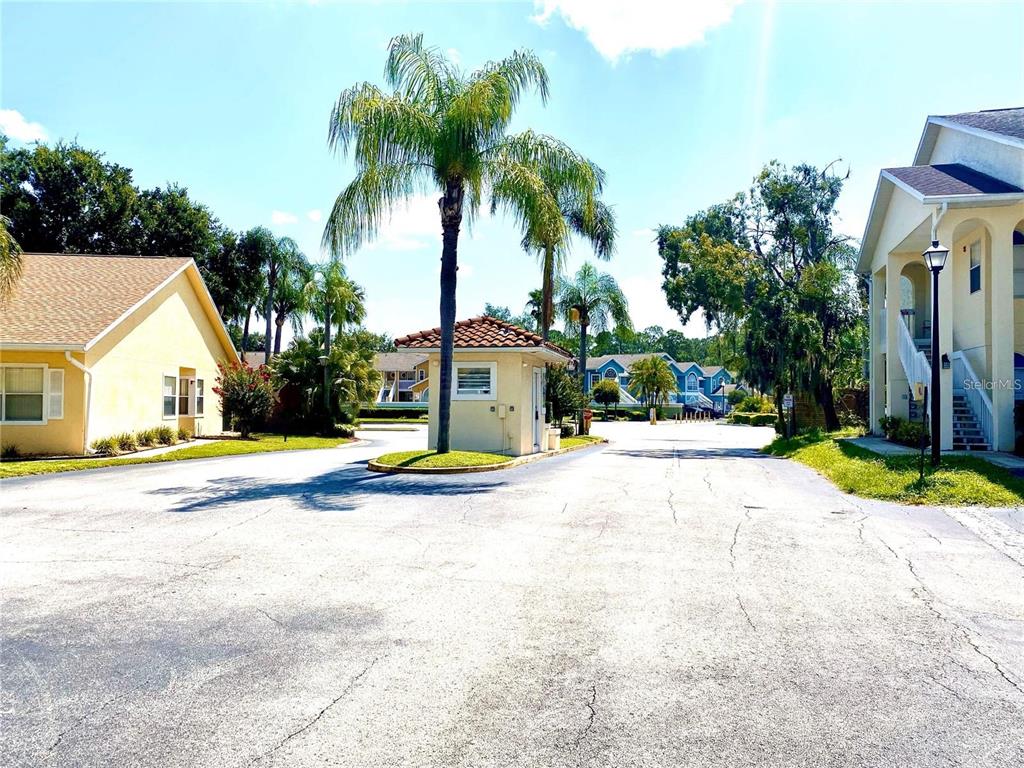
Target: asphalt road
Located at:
point(671, 599)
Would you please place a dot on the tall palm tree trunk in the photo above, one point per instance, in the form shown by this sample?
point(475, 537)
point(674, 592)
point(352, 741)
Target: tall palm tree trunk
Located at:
point(547, 308)
point(583, 354)
point(327, 353)
point(245, 329)
point(451, 219)
point(277, 333)
point(269, 312)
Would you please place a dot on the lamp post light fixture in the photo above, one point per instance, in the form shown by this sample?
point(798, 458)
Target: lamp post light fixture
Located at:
point(935, 260)
point(327, 389)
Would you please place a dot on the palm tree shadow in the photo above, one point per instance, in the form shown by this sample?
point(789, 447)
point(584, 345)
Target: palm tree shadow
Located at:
point(334, 491)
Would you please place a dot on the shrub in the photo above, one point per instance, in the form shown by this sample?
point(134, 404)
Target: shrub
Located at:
point(165, 435)
point(105, 446)
point(345, 430)
point(9, 451)
point(606, 392)
point(755, 404)
point(245, 393)
point(904, 432)
point(736, 397)
point(392, 413)
point(146, 437)
point(184, 435)
point(763, 419)
point(126, 442)
point(739, 418)
point(568, 430)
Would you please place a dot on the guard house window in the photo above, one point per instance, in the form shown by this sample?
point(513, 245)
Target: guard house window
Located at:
point(22, 395)
point(975, 267)
point(170, 396)
point(475, 381)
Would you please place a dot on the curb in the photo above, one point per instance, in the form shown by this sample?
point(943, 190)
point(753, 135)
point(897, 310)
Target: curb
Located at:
point(518, 461)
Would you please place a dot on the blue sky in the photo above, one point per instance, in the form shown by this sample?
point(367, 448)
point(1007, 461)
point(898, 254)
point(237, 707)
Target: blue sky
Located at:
point(681, 103)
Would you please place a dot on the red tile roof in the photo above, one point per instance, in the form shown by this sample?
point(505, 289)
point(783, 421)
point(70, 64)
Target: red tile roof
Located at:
point(483, 332)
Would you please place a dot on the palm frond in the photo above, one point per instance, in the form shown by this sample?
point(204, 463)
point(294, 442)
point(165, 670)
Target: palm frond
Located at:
point(518, 72)
point(365, 204)
point(418, 72)
point(381, 129)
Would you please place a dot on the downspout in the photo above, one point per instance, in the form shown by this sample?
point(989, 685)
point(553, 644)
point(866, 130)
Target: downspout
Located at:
point(88, 398)
point(937, 213)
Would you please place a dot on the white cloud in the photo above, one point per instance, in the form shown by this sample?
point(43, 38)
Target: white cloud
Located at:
point(314, 215)
point(411, 227)
point(616, 28)
point(454, 55)
point(282, 217)
point(14, 125)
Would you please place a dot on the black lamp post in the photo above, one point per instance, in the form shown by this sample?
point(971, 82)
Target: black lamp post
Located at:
point(327, 387)
point(935, 260)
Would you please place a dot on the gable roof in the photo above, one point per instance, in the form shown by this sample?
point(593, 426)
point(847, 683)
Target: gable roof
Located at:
point(482, 332)
point(1005, 126)
point(70, 301)
point(948, 180)
point(625, 360)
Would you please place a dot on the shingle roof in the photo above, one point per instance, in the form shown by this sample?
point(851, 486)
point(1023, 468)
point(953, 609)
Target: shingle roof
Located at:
point(950, 179)
point(69, 300)
point(625, 360)
point(398, 361)
point(482, 332)
point(1007, 122)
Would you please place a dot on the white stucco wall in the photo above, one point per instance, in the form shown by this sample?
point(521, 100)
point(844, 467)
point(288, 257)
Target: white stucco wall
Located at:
point(999, 160)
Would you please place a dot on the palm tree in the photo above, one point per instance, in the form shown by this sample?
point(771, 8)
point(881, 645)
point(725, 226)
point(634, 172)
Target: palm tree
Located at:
point(284, 252)
point(652, 380)
point(534, 307)
point(290, 298)
point(443, 129)
point(331, 297)
point(591, 299)
point(582, 215)
point(256, 248)
point(10, 260)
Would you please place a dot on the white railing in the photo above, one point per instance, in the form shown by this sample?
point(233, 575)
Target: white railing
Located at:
point(915, 364)
point(967, 383)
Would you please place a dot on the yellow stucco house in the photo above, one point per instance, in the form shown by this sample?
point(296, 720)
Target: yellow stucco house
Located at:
point(92, 346)
point(964, 189)
point(498, 385)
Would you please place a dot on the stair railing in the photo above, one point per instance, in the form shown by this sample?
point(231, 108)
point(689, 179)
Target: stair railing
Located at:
point(967, 383)
point(915, 363)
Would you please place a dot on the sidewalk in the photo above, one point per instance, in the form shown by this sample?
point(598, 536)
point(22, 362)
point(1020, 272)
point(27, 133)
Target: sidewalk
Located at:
point(883, 447)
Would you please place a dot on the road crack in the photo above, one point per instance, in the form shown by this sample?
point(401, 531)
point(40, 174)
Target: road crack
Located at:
point(310, 723)
point(590, 718)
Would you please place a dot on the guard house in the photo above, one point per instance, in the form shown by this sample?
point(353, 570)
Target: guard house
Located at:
point(498, 385)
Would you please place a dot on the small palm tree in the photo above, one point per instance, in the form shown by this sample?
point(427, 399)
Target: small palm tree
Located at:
point(10, 260)
point(280, 257)
point(582, 215)
point(591, 299)
point(290, 298)
point(652, 380)
point(333, 299)
point(534, 307)
point(444, 129)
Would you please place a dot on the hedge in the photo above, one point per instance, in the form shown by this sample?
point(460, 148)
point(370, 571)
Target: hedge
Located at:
point(392, 413)
point(753, 419)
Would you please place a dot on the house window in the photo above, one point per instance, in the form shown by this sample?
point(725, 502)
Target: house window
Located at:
point(200, 397)
point(183, 397)
point(55, 396)
point(691, 382)
point(23, 393)
point(975, 267)
point(610, 374)
point(475, 381)
point(170, 396)
point(421, 374)
point(594, 378)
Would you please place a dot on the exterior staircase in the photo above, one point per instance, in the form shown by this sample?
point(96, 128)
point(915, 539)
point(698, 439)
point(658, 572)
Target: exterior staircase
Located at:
point(967, 432)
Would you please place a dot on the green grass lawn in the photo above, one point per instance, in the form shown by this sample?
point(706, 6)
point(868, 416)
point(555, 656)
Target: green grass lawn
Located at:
point(573, 442)
point(960, 480)
point(433, 460)
point(395, 420)
point(262, 443)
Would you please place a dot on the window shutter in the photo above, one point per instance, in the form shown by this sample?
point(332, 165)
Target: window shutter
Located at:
point(56, 397)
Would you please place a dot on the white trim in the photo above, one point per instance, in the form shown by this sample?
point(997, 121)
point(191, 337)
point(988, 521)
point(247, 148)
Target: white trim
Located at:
point(493, 366)
point(132, 309)
point(542, 351)
point(196, 381)
point(999, 138)
point(55, 347)
point(46, 395)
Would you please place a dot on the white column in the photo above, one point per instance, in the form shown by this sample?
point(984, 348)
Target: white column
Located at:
point(876, 376)
point(945, 235)
point(1002, 338)
point(896, 381)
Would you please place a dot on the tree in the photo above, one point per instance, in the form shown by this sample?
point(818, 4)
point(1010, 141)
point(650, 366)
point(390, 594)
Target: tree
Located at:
point(606, 392)
point(246, 394)
point(769, 269)
point(10, 260)
point(290, 298)
point(442, 129)
point(563, 394)
point(256, 247)
point(652, 380)
point(591, 299)
point(333, 299)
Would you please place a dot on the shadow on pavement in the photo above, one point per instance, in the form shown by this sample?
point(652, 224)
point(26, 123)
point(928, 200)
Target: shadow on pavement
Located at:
point(691, 453)
point(334, 491)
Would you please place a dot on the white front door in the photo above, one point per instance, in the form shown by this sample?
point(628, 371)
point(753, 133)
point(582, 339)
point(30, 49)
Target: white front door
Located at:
point(538, 408)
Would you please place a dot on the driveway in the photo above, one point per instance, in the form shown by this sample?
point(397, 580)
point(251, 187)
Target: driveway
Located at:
point(671, 599)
